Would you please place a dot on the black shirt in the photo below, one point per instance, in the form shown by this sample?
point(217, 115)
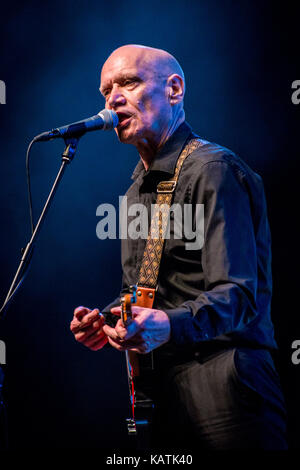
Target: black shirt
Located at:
point(218, 295)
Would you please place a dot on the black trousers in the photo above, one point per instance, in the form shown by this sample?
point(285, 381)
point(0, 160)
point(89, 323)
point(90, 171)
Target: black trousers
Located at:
point(225, 401)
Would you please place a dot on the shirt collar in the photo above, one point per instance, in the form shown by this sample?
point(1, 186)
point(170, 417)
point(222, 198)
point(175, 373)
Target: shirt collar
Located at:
point(166, 158)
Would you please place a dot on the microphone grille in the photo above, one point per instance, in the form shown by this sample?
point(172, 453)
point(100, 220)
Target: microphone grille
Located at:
point(110, 119)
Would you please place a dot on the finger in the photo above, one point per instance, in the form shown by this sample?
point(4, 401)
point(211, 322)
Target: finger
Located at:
point(75, 326)
point(80, 311)
point(121, 330)
point(99, 345)
point(97, 338)
point(83, 335)
point(138, 310)
point(143, 348)
point(141, 343)
point(95, 335)
point(115, 344)
point(137, 343)
point(90, 317)
point(87, 320)
point(138, 321)
point(81, 331)
point(116, 310)
point(126, 346)
point(119, 333)
point(138, 350)
point(132, 329)
point(80, 320)
point(111, 332)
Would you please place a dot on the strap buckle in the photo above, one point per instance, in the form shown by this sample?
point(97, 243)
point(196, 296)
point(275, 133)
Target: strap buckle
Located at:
point(166, 186)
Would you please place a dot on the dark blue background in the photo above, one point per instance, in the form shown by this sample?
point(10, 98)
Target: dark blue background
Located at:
point(240, 59)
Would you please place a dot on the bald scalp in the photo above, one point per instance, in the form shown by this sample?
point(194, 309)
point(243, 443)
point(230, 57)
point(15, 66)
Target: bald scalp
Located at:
point(156, 61)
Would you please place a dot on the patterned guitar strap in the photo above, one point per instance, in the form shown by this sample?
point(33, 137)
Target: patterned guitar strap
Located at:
point(149, 270)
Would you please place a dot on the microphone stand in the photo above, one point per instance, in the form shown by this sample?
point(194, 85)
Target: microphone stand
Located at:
point(67, 156)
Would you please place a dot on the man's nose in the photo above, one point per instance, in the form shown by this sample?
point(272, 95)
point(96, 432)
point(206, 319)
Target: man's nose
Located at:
point(116, 98)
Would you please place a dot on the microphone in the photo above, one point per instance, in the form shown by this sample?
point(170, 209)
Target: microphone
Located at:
point(105, 120)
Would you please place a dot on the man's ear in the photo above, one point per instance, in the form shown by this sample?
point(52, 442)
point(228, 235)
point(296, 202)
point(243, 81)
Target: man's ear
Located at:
point(176, 88)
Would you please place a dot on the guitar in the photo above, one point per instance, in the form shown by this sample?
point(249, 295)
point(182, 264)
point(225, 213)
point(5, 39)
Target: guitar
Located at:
point(141, 405)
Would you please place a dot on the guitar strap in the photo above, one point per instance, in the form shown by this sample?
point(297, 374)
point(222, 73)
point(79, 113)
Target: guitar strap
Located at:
point(149, 269)
point(141, 366)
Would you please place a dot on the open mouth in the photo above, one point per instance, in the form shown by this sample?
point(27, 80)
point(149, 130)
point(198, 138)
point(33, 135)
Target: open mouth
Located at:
point(123, 120)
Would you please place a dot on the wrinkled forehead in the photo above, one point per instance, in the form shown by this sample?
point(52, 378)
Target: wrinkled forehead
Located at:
point(131, 62)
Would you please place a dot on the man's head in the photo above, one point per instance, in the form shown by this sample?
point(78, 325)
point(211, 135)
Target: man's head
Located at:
point(145, 87)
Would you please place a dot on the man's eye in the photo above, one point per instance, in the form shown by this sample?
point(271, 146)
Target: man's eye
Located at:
point(129, 83)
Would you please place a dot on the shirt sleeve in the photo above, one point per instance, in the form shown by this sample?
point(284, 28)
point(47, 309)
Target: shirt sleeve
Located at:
point(111, 319)
point(228, 257)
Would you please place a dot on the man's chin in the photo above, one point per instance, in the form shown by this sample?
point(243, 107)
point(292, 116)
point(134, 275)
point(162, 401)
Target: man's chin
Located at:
point(125, 136)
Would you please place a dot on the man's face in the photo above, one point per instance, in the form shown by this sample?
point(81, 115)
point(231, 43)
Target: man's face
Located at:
point(136, 91)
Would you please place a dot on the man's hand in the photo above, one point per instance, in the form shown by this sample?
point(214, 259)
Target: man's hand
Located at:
point(87, 327)
point(148, 330)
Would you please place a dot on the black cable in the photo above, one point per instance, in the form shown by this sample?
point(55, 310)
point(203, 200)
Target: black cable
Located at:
point(28, 185)
point(22, 275)
point(2, 309)
point(25, 268)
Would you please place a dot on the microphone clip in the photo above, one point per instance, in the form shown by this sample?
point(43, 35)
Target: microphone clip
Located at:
point(70, 149)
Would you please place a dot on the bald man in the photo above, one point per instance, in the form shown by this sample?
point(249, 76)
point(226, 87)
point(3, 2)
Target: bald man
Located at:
point(210, 334)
